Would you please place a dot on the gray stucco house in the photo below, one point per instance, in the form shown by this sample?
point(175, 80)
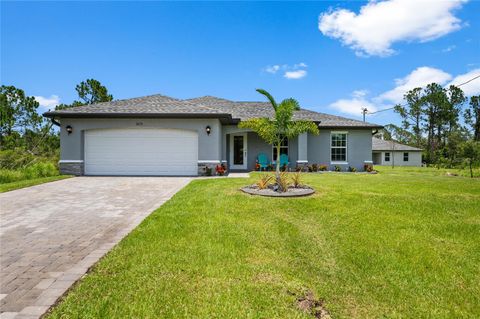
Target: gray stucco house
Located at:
point(160, 135)
point(393, 153)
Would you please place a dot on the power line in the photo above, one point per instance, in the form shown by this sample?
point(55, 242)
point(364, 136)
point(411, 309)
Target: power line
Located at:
point(391, 108)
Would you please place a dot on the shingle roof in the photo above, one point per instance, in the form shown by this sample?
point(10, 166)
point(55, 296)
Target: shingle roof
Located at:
point(206, 106)
point(383, 145)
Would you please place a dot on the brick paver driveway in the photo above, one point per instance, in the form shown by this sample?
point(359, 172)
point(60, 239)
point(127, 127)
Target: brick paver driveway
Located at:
point(51, 234)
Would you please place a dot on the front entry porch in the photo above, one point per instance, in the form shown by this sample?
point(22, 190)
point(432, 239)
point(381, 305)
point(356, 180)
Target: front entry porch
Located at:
point(241, 148)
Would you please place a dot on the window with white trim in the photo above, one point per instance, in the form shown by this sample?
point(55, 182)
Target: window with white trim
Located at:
point(387, 157)
point(283, 149)
point(405, 157)
point(338, 149)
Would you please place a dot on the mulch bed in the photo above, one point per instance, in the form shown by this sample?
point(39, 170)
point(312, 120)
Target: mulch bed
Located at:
point(291, 192)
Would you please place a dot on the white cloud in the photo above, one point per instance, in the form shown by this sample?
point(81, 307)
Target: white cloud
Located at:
point(300, 65)
point(47, 103)
point(295, 75)
point(354, 105)
point(272, 68)
point(470, 88)
point(380, 24)
point(294, 72)
point(417, 78)
point(449, 48)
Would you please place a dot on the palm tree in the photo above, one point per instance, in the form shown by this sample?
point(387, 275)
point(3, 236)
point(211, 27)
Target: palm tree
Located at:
point(274, 131)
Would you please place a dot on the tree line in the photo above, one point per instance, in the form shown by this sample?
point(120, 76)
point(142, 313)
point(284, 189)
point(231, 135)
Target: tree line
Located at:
point(442, 121)
point(25, 135)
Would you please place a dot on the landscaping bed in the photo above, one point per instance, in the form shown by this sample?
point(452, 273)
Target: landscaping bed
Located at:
point(270, 192)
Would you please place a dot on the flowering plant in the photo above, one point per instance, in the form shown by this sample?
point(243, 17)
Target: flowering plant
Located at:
point(368, 168)
point(220, 169)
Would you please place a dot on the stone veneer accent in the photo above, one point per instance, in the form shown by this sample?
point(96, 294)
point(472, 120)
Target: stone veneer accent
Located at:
point(303, 165)
point(71, 167)
point(203, 167)
point(76, 167)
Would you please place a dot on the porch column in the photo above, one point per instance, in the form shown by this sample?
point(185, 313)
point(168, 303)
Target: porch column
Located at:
point(302, 149)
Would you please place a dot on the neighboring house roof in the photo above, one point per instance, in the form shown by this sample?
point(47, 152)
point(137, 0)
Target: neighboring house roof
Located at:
point(383, 145)
point(206, 106)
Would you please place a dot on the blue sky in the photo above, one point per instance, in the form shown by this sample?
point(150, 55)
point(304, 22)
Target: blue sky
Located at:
point(333, 57)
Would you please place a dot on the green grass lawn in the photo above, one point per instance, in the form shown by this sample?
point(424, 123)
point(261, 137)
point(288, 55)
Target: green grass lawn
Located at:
point(5, 187)
point(402, 243)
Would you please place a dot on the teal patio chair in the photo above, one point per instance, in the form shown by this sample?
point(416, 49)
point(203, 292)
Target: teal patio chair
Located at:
point(284, 160)
point(262, 160)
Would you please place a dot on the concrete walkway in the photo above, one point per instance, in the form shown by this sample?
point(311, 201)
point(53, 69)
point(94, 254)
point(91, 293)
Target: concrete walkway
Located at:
point(52, 233)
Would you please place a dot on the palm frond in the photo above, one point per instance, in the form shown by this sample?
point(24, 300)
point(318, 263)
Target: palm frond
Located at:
point(292, 103)
point(264, 127)
point(269, 97)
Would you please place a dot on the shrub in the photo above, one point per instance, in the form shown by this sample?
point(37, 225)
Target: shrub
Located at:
point(322, 167)
point(296, 179)
point(37, 170)
point(338, 168)
point(40, 170)
point(283, 168)
point(264, 181)
point(310, 168)
point(352, 169)
point(368, 168)
point(208, 171)
point(220, 169)
point(283, 182)
point(8, 176)
point(315, 167)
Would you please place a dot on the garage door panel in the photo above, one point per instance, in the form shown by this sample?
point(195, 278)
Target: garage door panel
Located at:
point(141, 152)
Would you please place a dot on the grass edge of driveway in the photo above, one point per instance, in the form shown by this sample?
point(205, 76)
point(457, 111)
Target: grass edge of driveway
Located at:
point(7, 187)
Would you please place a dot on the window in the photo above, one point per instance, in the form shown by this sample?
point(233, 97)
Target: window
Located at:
point(405, 157)
point(338, 149)
point(387, 157)
point(283, 149)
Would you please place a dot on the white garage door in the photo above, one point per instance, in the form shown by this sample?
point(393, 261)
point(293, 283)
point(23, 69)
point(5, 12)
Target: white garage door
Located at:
point(141, 152)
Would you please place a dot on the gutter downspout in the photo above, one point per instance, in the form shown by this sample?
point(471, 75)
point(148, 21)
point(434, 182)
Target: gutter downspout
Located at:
point(55, 122)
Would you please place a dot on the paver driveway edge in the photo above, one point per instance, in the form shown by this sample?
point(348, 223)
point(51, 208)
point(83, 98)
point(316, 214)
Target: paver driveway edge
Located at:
point(46, 247)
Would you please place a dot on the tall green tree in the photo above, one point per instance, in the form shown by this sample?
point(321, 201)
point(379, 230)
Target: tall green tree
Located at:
point(411, 113)
point(89, 91)
point(399, 134)
point(18, 112)
point(472, 116)
point(434, 102)
point(92, 91)
point(470, 151)
point(275, 130)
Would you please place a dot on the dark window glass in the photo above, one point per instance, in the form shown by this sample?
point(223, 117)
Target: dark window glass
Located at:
point(238, 150)
point(405, 157)
point(387, 157)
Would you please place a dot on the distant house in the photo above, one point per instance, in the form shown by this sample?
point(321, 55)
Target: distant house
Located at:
point(393, 153)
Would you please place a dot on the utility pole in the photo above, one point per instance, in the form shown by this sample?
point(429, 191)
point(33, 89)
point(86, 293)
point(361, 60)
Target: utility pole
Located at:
point(364, 111)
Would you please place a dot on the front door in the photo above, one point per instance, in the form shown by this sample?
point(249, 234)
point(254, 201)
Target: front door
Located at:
point(238, 151)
